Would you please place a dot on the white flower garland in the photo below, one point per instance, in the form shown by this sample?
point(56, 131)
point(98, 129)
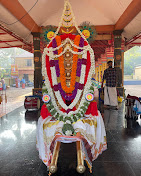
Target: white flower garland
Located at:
point(52, 55)
point(47, 83)
point(83, 72)
point(86, 89)
point(92, 68)
point(53, 75)
point(64, 43)
point(79, 92)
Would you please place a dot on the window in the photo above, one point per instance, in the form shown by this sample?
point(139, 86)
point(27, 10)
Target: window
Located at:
point(29, 62)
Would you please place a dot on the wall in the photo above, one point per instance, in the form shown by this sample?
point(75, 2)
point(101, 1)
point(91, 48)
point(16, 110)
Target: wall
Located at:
point(128, 77)
point(24, 67)
point(137, 73)
point(9, 81)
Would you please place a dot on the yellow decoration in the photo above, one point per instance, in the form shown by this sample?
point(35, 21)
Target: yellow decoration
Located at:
point(67, 26)
point(67, 32)
point(67, 14)
point(67, 21)
point(50, 35)
point(119, 99)
point(97, 73)
point(104, 65)
point(86, 33)
point(100, 73)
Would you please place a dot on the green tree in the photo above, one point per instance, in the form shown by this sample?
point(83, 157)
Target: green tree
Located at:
point(132, 58)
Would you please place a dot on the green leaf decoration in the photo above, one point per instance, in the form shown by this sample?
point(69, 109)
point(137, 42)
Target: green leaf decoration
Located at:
point(61, 118)
point(74, 118)
point(87, 26)
point(86, 104)
point(79, 115)
point(67, 127)
point(68, 118)
point(53, 112)
point(57, 115)
point(92, 88)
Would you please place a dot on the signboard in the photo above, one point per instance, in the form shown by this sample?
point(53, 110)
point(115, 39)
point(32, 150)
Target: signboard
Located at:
point(14, 70)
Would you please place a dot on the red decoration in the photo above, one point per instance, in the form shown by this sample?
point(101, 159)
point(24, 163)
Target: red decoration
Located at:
point(44, 112)
point(87, 67)
point(70, 36)
point(92, 109)
point(48, 70)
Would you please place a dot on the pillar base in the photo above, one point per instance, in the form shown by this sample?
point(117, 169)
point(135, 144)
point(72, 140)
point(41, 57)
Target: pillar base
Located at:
point(120, 91)
point(37, 91)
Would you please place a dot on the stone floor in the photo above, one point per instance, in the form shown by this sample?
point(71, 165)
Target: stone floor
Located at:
point(19, 157)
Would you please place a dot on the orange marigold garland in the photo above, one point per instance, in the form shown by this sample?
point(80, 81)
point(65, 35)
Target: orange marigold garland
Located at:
point(74, 65)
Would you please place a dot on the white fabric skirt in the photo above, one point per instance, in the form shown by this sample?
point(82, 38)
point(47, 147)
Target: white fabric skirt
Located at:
point(110, 96)
point(91, 128)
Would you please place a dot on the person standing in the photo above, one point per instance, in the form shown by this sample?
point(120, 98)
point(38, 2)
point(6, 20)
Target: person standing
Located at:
point(16, 81)
point(110, 92)
point(0, 85)
point(23, 83)
point(3, 83)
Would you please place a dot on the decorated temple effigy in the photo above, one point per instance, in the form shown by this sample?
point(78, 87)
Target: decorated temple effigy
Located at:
point(69, 113)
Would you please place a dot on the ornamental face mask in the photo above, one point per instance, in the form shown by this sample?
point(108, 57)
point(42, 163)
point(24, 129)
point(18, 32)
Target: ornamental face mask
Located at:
point(68, 65)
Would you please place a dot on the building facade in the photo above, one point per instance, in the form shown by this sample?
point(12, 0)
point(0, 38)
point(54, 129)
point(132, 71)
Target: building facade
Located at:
point(25, 66)
point(137, 73)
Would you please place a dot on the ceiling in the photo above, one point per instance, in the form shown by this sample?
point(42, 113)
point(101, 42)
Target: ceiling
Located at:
point(18, 18)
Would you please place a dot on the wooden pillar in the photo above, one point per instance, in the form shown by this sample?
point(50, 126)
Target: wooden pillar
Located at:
point(118, 59)
point(96, 71)
point(37, 63)
point(100, 70)
point(104, 62)
point(122, 60)
point(110, 54)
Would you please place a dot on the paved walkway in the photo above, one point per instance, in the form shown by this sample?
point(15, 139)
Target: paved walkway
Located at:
point(15, 99)
point(134, 90)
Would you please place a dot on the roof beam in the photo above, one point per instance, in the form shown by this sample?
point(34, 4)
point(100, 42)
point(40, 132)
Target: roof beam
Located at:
point(133, 39)
point(18, 46)
point(2, 33)
point(105, 28)
point(8, 41)
point(103, 37)
point(100, 46)
point(99, 29)
point(14, 35)
point(136, 43)
point(128, 15)
point(17, 10)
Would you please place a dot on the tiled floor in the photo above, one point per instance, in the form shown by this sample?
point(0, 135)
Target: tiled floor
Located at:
point(19, 157)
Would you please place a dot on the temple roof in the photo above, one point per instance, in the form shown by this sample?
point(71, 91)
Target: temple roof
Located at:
point(21, 17)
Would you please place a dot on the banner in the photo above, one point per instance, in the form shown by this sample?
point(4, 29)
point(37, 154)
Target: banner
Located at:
point(14, 70)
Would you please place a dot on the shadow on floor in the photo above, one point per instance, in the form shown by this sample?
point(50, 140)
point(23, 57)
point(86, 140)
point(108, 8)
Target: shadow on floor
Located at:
point(19, 156)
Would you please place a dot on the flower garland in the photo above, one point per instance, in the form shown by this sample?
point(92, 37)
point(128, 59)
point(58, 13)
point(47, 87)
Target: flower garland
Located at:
point(64, 116)
point(76, 94)
point(86, 89)
point(50, 54)
point(78, 73)
point(67, 40)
